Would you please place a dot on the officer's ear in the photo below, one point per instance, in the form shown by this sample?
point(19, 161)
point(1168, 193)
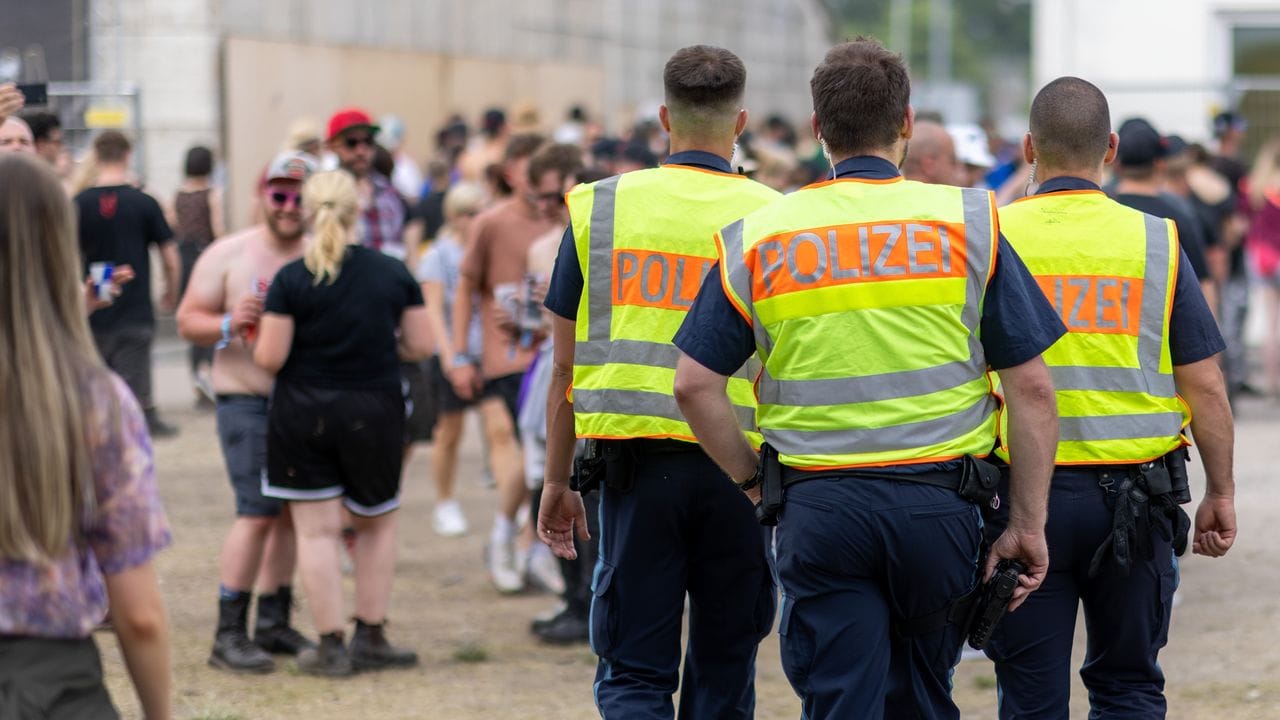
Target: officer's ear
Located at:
point(909, 123)
point(1113, 147)
point(664, 118)
point(1028, 149)
point(813, 124)
point(742, 123)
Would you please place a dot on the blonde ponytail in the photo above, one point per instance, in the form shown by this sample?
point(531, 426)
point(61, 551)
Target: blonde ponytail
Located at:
point(331, 198)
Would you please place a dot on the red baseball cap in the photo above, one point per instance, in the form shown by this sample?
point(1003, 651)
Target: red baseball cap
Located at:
point(348, 118)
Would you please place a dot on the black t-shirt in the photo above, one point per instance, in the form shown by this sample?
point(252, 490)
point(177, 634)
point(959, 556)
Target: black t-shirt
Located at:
point(118, 224)
point(1190, 235)
point(1234, 171)
point(344, 334)
point(431, 212)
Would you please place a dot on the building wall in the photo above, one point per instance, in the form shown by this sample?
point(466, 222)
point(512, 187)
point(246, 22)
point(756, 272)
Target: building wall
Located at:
point(1168, 61)
point(173, 50)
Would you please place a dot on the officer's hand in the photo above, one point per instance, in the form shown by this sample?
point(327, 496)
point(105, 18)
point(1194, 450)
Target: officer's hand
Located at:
point(560, 516)
point(1215, 529)
point(1028, 547)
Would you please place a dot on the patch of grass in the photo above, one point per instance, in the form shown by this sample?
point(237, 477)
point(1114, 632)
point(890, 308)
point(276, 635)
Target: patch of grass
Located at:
point(471, 652)
point(984, 682)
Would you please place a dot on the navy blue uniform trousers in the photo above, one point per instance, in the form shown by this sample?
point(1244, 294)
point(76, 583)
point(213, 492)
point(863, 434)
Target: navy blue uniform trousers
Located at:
point(683, 529)
point(1127, 618)
point(855, 556)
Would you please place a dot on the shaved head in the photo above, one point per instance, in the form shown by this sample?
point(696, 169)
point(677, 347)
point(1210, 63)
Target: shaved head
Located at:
point(931, 157)
point(1070, 124)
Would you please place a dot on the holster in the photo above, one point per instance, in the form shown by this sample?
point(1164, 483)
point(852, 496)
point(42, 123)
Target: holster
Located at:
point(588, 469)
point(619, 465)
point(771, 499)
point(979, 481)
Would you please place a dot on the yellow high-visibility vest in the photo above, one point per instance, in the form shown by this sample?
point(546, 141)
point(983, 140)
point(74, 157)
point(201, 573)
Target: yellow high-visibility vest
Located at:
point(1110, 271)
point(645, 242)
point(865, 298)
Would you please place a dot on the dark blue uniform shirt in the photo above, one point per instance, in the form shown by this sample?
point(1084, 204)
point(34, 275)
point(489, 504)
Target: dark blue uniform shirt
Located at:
point(1193, 332)
point(565, 290)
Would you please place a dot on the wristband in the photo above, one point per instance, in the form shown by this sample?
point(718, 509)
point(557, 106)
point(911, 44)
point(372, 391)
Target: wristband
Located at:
point(226, 333)
point(750, 483)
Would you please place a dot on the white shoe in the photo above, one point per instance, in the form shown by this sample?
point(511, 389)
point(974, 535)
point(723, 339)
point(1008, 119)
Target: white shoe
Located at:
point(543, 569)
point(449, 520)
point(501, 559)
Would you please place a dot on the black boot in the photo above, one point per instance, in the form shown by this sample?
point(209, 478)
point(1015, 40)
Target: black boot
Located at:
point(329, 659)
point(272, 631)
point(232, 649)
point(371, 651)
point(567, 628)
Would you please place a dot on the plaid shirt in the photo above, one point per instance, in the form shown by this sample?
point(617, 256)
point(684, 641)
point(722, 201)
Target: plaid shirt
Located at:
point(380, 225)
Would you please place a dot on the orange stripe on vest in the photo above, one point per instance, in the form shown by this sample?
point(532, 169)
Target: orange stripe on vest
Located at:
point(845, 254)
point(1109, 305)
point(659, 280)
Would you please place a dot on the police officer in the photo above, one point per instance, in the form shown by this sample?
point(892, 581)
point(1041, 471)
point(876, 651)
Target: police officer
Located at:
point(1115, 275)
point(876, 305)
point(672, 523)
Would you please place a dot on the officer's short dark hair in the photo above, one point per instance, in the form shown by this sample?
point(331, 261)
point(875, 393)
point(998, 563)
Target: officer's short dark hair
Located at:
point(1070, 124)
point(111, 146)
point(41, 123)
point(199, 162)
point(562, 159)
point(861, 92)
point(704, 86)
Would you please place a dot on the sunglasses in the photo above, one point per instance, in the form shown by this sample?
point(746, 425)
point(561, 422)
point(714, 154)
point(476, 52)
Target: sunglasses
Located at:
point(553, 197)
point(356, 141)
point(280, 199)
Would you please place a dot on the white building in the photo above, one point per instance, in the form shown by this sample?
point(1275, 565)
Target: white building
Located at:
point(1176, 62)
point(235, 73)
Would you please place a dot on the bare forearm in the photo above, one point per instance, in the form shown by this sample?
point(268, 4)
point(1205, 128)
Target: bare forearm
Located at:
point(1033, 443)
point(704, 400)
point(462, 313)
point(560, 432)
point(199, 327)
point(1211, 424)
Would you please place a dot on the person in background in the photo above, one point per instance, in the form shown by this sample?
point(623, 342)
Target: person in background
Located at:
point(932, 155)
point(15, 136)
point(221, 308)
point(335, 326)
point(46, 129)
point(438, 272)
point(118, 224)
point(1176, 187)
point(493, 269)
point(1259, 206)
point(486, 149)
point(973, 154)
point(196, 217)
point(1229, 130)
point(82, 520)
point(380, 224)
point(406, 176)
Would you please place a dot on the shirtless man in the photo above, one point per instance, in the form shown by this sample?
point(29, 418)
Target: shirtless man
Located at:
point(221, 307)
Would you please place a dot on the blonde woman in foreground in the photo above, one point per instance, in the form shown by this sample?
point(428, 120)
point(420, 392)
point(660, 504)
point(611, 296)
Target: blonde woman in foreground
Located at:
point(336, 325)
point(80, 517)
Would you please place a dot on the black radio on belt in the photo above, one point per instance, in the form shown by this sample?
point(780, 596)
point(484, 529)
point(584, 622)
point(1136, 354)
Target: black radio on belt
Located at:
point(588, 469)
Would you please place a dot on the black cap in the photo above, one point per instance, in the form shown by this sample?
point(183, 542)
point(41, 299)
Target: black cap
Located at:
point(1228, 120)
point(494, 119)
point(1140, 144)
point(1175, 145)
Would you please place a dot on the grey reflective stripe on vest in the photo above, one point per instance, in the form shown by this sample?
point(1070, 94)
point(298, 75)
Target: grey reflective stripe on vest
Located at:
point(600, 272)
point(893, 438)
point(1120, 427)
point(740, 280)
point(649, 404)
point(901, 384)
point(1147, 377)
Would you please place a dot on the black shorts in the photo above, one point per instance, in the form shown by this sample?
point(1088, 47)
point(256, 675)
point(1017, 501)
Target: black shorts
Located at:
point(419, 403)
point(242, 431)
point(506, 387)
point(324, 443)
point(447, 401)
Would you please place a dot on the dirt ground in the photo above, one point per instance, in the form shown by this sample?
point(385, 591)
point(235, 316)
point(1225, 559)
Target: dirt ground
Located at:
point(479, 660)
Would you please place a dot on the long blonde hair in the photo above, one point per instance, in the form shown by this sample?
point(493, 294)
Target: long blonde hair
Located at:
point(1265, 176)
point(331, 198)
point(47, 363)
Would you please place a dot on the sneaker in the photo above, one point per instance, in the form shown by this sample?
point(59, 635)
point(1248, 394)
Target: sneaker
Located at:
point(371, 651)
point(566, 629)
point(501, 559)
point(544, 570)
point(449, 520)
point(329, 659)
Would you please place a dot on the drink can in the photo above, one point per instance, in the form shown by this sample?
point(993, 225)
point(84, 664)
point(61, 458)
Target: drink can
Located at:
point(100, 275)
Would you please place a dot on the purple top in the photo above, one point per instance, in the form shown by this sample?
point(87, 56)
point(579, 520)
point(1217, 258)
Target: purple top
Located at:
point(69, 598)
